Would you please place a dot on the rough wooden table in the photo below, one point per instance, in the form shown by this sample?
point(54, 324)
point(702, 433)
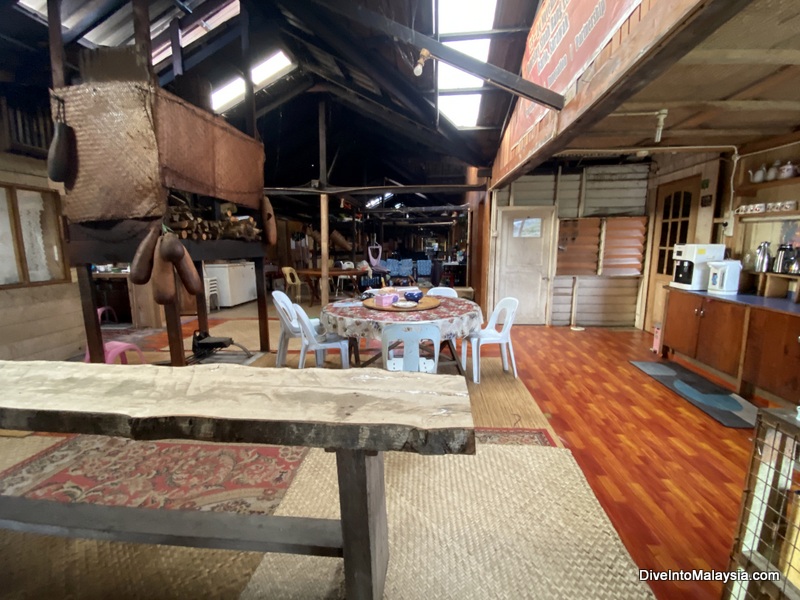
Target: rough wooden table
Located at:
point(358, 414)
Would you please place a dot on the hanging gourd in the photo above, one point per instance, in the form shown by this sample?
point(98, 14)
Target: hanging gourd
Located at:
point(58, 159)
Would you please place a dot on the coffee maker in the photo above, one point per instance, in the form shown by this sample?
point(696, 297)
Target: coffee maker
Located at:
point(691, 264)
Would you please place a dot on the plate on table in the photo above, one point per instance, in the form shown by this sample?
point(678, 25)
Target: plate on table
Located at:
point(404, 304)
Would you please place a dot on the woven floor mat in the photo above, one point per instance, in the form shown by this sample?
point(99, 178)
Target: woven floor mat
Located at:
point(39, 566)
point(14, 450)
point(511, 522)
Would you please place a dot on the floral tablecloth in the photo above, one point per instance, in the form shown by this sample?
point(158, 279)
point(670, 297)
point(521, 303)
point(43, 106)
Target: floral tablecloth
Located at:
point(455, 317)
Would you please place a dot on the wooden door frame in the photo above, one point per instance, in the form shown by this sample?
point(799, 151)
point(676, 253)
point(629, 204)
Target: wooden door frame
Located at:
point(502, 211)
point(692, 182)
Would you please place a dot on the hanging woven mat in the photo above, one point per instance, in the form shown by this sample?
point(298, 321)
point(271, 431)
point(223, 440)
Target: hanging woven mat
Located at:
point(427, 303)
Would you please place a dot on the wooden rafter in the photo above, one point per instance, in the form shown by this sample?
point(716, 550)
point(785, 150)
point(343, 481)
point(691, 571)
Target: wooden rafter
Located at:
point(739, 56)
point(722, 105)
point(749, 92)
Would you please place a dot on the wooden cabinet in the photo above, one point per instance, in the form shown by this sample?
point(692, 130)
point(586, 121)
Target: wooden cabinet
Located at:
point(772, 361)
point(682, 325)
point(706, 329)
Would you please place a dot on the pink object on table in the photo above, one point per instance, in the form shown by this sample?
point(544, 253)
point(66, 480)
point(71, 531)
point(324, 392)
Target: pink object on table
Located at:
point(114, 349)
point(385, 299)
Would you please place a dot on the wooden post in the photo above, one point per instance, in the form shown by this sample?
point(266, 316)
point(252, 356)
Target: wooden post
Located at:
point(141, 31)
point(91, 322)
point(172, 315)
point(56, 43)
point(324, 226)
point(202, 307)
point(249, 93)
point(261, 295)
point(175, 43)
point(365, 534)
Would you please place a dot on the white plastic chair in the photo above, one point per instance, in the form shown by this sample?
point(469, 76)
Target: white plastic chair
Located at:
point(319, 342)
point(443, 292)
point(490, 335)
point(290, 326)
point(348, 264)
point(212, 291)
point(411, 334)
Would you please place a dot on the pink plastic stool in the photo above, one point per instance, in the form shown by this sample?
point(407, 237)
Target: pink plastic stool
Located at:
point(111, 312)
point(114, 349)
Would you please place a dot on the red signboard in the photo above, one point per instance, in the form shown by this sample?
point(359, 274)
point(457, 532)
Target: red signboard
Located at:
point(566, 37)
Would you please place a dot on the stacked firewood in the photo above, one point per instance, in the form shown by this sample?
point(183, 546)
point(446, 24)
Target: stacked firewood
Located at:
point(188, 225)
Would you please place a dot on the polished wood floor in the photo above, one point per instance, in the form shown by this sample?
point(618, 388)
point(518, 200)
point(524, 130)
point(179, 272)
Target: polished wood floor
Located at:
point(669, 477)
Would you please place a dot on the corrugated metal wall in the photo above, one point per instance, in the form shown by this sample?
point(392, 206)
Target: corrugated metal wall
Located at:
point(619, 190)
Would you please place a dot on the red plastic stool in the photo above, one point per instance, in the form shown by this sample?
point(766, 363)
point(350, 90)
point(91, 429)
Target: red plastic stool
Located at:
point(114, 349)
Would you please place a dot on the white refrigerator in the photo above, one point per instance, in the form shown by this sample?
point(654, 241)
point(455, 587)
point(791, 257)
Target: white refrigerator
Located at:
point(236, 282)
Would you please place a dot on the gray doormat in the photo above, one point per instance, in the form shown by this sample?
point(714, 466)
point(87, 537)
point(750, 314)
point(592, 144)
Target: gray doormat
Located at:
point(718, 403)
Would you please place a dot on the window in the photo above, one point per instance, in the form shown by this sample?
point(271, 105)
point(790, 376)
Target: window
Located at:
point(31, 250)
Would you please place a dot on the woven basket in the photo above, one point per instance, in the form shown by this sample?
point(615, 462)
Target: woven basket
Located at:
point(135, 140)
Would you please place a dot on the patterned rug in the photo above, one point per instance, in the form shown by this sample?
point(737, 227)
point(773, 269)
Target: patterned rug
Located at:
point(171, 475)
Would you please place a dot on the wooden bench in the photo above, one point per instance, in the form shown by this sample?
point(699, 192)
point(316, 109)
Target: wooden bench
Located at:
point(359, 414)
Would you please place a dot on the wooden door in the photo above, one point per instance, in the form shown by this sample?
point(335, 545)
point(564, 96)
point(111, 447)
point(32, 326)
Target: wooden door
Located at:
point(719, 339)
point(772, 358)
point(523, 261)
point(682, 322)
point(676, 215)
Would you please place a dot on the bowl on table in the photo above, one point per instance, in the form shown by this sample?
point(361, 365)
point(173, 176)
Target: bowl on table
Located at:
point(413, 296)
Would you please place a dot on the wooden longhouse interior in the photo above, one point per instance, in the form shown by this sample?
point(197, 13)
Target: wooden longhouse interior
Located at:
point(579, 219)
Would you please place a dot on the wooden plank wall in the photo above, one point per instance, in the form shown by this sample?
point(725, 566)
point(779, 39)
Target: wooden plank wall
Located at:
point(601, 301)
point(42, 322)
point(607, 190)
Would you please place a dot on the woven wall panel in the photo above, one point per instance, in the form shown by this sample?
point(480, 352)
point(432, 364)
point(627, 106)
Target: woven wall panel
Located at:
point(186, 146)
point(135, 141)
point(118, 175)
point(202, 153)
point(239, 168)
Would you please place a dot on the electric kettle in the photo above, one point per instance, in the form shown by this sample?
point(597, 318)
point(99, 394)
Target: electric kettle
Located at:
point(763, 258)
point(784, 258)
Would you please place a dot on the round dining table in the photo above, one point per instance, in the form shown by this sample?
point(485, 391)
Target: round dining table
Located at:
point(455, 317)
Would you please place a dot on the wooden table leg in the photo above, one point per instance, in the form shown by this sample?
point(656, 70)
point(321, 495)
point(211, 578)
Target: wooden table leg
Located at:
point(312, 286)
point(175, 334)
point(364, 525)
point(91, 322)
point(354, 350)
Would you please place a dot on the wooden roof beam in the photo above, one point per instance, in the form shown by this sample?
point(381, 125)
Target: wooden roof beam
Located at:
point(753, 90)
point(491, 74)
point(93, 14)
point(737, 56)
point(722, 105)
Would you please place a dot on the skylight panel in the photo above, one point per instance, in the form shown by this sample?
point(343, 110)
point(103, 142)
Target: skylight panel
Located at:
point(451, 78)
point(462, 111)
point(272, 69)
point(463, 16)
point(459, 16)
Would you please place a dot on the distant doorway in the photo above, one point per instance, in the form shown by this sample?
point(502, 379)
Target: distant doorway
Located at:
point(523, 261)
point(676, 216)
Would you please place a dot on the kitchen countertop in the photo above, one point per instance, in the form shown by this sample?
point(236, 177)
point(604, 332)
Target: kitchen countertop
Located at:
point(784, 305)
